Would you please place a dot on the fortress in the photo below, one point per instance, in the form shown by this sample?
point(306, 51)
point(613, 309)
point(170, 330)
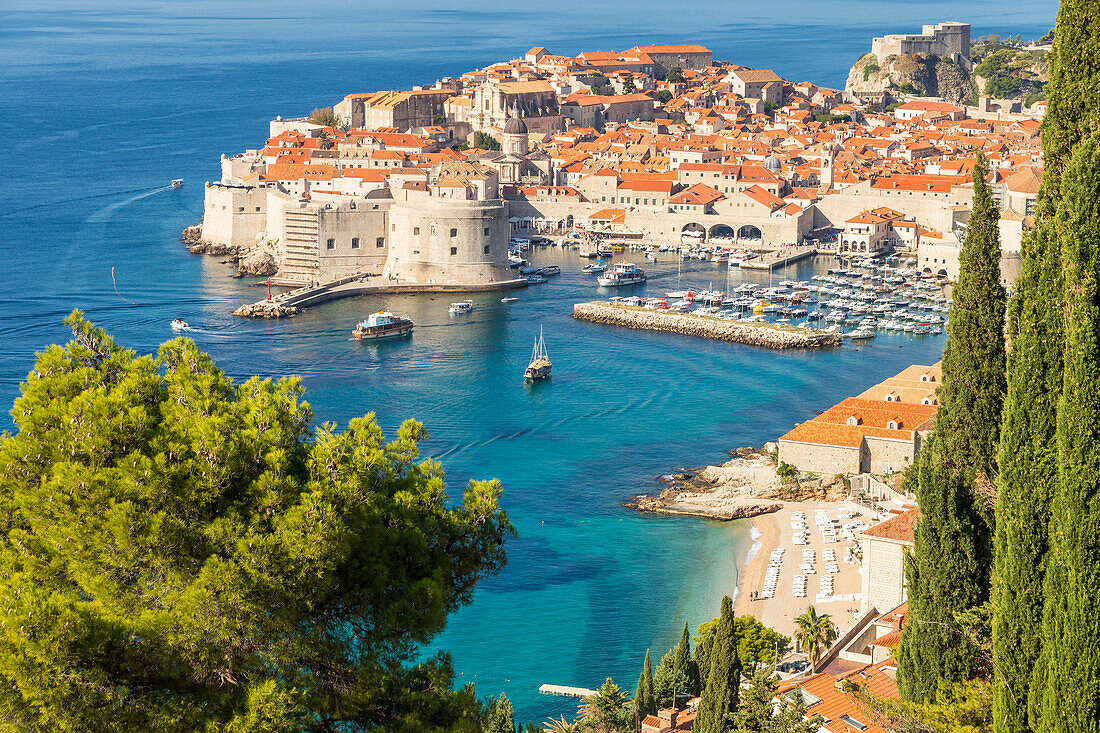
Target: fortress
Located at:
point(950, 40)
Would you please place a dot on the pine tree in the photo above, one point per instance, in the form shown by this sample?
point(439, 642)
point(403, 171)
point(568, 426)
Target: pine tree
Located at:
point(1029, 461)
point(718, 701)
point(1071, 619)
point(951, 563)
point(500, 717)
point(644, 700)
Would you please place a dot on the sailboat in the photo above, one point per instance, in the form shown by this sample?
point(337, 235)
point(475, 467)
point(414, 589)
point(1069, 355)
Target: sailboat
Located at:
point(539, 368)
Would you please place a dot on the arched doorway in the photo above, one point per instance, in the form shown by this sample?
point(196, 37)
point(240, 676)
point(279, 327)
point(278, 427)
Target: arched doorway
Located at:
point(749, 232)
point(693, 233)
point(722, 231)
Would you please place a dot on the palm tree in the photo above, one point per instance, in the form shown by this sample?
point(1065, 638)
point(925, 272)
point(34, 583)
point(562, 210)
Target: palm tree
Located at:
point(324, 139)
point(560, 726)
point(814, 633)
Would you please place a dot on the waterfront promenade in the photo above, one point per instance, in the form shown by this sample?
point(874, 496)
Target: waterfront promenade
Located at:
point(781, 257)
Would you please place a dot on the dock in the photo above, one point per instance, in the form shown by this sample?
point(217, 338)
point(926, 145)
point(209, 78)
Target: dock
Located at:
point(780, 257)
point(566, 691)
point(294, 301)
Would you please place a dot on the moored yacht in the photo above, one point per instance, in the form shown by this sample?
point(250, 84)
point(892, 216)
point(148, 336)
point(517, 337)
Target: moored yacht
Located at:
point(623, 273)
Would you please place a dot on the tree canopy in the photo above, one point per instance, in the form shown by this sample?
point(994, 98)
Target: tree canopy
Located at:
point(181, 551)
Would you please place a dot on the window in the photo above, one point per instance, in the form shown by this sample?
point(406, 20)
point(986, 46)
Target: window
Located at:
point(486, 249)
point(454, 233)
point(416, 230)
point(331, 244)
point(355, 242)
point(486, 231)
point(257, 208)
point(393, 227)
point(433, 228)
point(893, 425)
point(454, 250)
point(854, 420)
point(380, 242)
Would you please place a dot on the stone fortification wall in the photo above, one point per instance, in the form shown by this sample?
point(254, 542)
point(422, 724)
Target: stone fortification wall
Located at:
point(887, 456)
point(713, 328)
point(233, 216)
point(927, 208)
point(351, 241)
point(435, 241)
point(823, 459)
point(946, 39)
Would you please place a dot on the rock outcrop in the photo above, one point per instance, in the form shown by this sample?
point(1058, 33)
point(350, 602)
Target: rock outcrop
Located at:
point(921, 74)
point(265, 309)
point(763, 335)
point(261, 260)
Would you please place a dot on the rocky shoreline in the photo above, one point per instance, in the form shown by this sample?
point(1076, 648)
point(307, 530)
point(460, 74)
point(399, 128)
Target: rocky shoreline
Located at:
point(762, 335)
point(746, 486)
point(265, 309)
point(256, 260)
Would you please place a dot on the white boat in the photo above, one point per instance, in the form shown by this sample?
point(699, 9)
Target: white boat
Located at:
point(540, 365)
point(597, 266)
point(550, 270)
point(623, 273)
point(508, 300)
point(177, 183)
point(537, 279)
point(380, 325)
point(464, 306)
point(178, 324)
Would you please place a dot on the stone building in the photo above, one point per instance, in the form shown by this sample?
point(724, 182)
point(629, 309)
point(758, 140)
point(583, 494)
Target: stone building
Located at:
point(950, 40)
point(884, 547)
point(400, 110)
point(515, 162)
point(534, 102)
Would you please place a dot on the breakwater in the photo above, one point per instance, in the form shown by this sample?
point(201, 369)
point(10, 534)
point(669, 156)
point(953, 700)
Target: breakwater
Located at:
point(752, 334)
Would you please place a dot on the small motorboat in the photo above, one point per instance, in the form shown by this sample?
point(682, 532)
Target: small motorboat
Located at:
point(178, 324)
point(595, 267)
point(508, 300)
point(537, 279)
point(177, 183)
point(464, 306)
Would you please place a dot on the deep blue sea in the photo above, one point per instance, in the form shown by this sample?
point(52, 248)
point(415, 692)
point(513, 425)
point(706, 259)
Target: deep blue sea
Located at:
point(101, 104)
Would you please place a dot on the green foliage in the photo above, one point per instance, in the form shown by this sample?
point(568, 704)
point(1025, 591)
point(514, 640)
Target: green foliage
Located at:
point(677, 674)
point(756, 643)
point(561, 726)
point(829, 119)
point(324, 116)
point(183, 552)
point(770, 106)
point(609, 710)
point(756, 713)
point(628, 86)
point(674, 75)
point(500, 717)
point(720, 696)
point(439, 119)
point(962, 707)
point(1071, 693)
point(664, 96)
point(948, 571)
point(871, 67)
point(644, 700)
point(485, 141)
point(785, 469)
point(815, 633)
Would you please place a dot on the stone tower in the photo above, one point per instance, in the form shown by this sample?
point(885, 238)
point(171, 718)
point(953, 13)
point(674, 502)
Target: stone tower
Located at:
point(514, 140)
point(829, 152)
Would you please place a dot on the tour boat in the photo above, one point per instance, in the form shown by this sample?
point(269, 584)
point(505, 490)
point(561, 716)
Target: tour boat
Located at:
point(623, 273)
point(381, 325)
point(508, 300)
point(464, 306)
point(539, 368)
point(177, 183)
point(178, 324)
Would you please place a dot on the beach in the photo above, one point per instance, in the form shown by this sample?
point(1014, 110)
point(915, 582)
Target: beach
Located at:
point(774, 531)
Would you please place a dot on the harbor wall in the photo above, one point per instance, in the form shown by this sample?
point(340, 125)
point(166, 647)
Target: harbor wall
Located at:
point(822, 459)
point(351, 241)
point(233, 215)
point(690, 325)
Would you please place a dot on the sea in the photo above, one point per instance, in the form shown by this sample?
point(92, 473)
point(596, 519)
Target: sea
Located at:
point(102, 104)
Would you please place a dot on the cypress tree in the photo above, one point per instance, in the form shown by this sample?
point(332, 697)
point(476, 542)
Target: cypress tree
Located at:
point(950, 567)
point(1071, 619)
point(683, 665)
point(719, 698)
point(644, 699)
point(1029, 460)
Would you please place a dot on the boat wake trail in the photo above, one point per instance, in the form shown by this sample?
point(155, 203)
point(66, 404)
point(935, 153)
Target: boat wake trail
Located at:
point(107, 211)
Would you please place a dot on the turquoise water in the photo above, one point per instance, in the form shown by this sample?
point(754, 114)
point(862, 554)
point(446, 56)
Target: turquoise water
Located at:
point(101, 108)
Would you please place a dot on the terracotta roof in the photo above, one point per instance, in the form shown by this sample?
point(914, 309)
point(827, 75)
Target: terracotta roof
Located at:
point(898, 529)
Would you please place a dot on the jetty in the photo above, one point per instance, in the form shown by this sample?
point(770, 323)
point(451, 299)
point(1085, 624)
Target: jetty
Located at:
point(764, 335)
point(780, 257)
point(566, 691)
point(294, 301)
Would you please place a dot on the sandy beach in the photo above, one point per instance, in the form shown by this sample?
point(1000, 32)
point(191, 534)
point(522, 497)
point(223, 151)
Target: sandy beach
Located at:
point(774, 531)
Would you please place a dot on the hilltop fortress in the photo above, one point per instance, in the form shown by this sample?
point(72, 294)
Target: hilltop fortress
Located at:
point(656, 144)
point(950, 40)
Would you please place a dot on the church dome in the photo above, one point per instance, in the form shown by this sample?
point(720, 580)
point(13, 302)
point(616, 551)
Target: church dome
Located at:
point(515, 126)
point(772, 163)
